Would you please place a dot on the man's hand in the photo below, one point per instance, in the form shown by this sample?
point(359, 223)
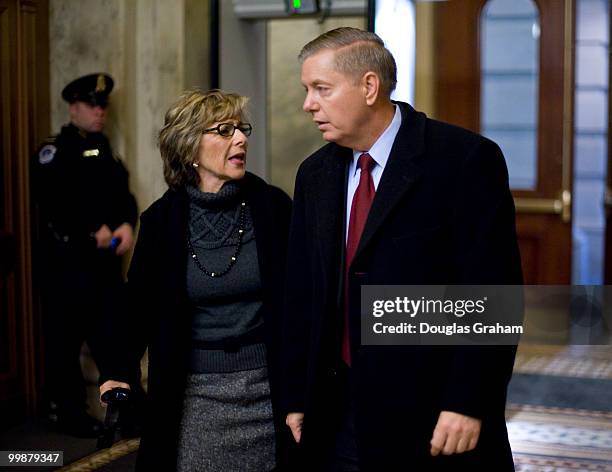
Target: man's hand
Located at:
point(109, 385)
point(103, 237)
point(294, 421)
point(454, 434)
point(126, 238)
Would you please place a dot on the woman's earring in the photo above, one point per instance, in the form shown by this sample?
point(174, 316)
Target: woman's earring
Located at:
point(195, 164)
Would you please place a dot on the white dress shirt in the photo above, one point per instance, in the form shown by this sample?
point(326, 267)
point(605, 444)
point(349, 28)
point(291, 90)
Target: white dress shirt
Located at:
point(379, 151)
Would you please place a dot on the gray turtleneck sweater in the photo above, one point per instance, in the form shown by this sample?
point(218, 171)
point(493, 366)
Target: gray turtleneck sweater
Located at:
point(227, 306)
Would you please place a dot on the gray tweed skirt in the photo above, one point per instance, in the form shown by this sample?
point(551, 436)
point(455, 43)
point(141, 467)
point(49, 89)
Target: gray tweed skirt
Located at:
point(227, 423)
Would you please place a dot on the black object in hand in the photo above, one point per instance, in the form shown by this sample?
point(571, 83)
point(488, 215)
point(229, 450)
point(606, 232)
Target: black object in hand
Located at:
point(116, 399)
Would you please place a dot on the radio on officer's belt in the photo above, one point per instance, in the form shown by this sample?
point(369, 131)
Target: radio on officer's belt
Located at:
point(115, 242)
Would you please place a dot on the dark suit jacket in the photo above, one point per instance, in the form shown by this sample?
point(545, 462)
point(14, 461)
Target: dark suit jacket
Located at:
point(443, 214)
point(157, 286)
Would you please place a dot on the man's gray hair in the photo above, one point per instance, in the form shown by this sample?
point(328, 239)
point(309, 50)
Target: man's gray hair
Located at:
point(357, 52)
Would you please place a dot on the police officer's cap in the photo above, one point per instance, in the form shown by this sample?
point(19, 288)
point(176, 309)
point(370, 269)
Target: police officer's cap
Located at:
point(93, 89)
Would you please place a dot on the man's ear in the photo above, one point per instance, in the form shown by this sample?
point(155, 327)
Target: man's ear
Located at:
point(72, 110)
point(371, 87)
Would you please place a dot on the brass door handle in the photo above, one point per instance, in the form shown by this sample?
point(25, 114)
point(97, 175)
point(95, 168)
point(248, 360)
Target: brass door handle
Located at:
point(558, 206)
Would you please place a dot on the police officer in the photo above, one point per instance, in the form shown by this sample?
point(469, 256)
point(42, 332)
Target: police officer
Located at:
point(86, 216)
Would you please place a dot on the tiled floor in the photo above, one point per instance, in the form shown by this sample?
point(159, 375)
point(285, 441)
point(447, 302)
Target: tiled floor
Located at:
point(591, 362)
point(564, 424)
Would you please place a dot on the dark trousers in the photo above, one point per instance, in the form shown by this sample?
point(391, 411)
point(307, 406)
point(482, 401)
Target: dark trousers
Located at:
point(78, 304)
point(345, 456)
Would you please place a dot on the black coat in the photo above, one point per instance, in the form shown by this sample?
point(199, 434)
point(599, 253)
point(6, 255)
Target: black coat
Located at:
point(157, 283)
point(443, 214)
point(78, 185)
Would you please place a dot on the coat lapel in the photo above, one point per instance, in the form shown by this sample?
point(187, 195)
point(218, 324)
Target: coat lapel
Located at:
point(400, 174)
point(328, 191)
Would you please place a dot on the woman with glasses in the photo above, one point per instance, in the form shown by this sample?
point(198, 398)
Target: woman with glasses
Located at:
point(206, 279)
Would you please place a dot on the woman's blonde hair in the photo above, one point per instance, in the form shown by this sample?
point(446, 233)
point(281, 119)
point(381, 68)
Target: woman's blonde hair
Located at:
point(184, 124)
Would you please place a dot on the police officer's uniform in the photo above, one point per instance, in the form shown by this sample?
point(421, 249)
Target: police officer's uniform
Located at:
point(78, 186)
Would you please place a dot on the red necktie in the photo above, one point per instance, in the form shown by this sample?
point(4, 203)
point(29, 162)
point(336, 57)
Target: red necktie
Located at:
point(360, 207)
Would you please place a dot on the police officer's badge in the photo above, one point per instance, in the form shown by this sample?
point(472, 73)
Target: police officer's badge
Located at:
point(91, 153)
point(46, 153)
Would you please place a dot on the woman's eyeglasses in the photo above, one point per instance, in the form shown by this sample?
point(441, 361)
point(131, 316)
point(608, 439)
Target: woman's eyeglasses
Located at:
point(228, 129)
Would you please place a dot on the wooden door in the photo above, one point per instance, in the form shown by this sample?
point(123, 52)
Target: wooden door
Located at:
point(24, 121)
point(544, 209)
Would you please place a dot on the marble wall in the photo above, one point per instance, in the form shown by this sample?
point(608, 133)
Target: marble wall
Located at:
point(293, 135)
point(84, 37)
point(154, 49)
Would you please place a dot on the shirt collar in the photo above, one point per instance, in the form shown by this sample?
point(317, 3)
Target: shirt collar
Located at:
point(381, 149)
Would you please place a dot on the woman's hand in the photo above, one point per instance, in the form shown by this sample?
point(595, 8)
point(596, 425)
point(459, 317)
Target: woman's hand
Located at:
point(109, 385)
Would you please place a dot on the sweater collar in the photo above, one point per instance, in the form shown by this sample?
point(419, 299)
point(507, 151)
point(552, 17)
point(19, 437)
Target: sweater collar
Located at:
point(228, 195)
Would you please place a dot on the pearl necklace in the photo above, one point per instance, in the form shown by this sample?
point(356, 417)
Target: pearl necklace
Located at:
point(234, 258)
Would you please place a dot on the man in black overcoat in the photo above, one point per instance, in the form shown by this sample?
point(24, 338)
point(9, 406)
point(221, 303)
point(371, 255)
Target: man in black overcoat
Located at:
point(394, 198)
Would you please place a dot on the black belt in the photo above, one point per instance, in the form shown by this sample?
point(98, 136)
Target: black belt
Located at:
point(232, 343)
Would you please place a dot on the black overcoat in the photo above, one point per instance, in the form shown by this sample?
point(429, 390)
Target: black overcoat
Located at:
point(443, 214)
point(157, 286)
point(78, 185)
